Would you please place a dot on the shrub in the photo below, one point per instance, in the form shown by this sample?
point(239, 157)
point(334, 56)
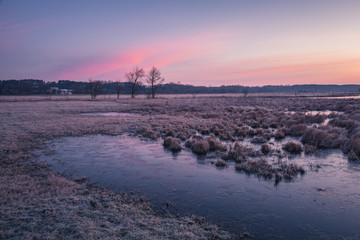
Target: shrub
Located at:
point(279, 135)
point(241, 132)
point(215, 145)
point(220, 163)
point(293, 147)
point(147, 133)
point(318, 118)
point(167, 142)
point(328, 137)
point(354, 146)
point(173, 144)
point(203, 130)
point(310, 149)
point(298, 129)
point(265, 148)
point(345, 122)
point(257, 166)
point(183, 135)
point(258, 140)
point(200, 147)
point(189, 143)
point(236, 153)
point(291, 170)
point(170, 133)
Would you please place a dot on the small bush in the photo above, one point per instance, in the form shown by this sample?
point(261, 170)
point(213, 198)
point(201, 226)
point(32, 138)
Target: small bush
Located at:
point(236, 153)
point(200, 147)
point(324, 138)
point(259, 167)
point(220, 163)
point(173, 144)
point(318, 118)
point(265, 148)
point(241, 132)
point(310, 149)
point(258, 140)
point(183, 135)
point(189, 143)
point(293, 147)
point(215, 145)
point(291, 170)
point(279, 135)
point(297, 130)
point(354, 146)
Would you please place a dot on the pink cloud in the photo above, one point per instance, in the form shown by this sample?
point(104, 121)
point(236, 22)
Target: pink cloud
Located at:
point(203, 59)
point(158, 54)
point(291, 69)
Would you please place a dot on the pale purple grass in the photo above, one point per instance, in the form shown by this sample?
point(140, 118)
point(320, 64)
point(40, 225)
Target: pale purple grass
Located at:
point(38, 203)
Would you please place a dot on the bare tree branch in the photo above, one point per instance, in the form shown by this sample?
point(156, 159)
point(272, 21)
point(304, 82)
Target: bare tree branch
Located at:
point(154, 79)
point(94, 87)
point(134, 77)
point(118, 88)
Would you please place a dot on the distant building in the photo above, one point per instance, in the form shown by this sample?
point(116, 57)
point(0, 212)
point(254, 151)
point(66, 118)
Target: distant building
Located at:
point(56, 90)
point(65, 91)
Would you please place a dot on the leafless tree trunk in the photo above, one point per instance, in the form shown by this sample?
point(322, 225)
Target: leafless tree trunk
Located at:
point(154, 79)
point(245, 91)
point(118, 88)
point(94, 88)
point(134, 78)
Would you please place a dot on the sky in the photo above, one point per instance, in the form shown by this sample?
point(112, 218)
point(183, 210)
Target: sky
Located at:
point(198, 42)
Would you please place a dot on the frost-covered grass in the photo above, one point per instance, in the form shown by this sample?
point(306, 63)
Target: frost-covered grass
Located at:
point(38, 203)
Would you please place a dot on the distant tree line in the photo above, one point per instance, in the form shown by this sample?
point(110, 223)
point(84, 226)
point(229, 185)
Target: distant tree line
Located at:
point(35, 86)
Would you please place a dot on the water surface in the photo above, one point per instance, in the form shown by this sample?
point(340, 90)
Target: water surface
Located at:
point(322, 204)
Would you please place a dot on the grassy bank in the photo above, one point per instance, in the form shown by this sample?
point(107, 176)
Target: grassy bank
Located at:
point(37, 203)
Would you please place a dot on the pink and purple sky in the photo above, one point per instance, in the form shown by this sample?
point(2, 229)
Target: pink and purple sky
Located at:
point(239, 42)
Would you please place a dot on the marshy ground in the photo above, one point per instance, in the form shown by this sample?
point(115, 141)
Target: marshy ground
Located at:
point(258, 136)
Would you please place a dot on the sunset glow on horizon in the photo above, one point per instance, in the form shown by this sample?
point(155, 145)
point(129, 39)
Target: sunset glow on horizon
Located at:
point(215, 43)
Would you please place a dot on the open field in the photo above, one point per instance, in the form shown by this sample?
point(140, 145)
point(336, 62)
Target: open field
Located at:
point(110, 97)
point(257, 134)
point(37, 203)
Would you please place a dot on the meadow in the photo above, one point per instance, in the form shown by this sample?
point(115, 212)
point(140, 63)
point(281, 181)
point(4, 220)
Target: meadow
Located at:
point(257, 136)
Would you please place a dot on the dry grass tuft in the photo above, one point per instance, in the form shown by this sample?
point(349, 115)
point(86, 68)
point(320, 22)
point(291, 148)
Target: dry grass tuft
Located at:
point(215, 145)
point(173, 144)
point(258, 140)
point(353, 147)
point(329, 137)
point(236, 153)
point(200, 147)
point(265, 148)
point(279, 134)
point(310, 149)
point(220, 163)
point(293, 147)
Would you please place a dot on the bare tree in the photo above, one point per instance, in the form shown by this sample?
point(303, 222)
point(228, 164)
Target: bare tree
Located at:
point(118, 88)
point(94, 88)
point(134, 78)
point(245, 91)
point(154, 79)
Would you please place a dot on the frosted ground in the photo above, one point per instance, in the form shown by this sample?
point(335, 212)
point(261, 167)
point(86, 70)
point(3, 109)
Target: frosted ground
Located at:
point(256, 136)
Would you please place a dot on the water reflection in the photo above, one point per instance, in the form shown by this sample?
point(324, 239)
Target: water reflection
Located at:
point(323, 204)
